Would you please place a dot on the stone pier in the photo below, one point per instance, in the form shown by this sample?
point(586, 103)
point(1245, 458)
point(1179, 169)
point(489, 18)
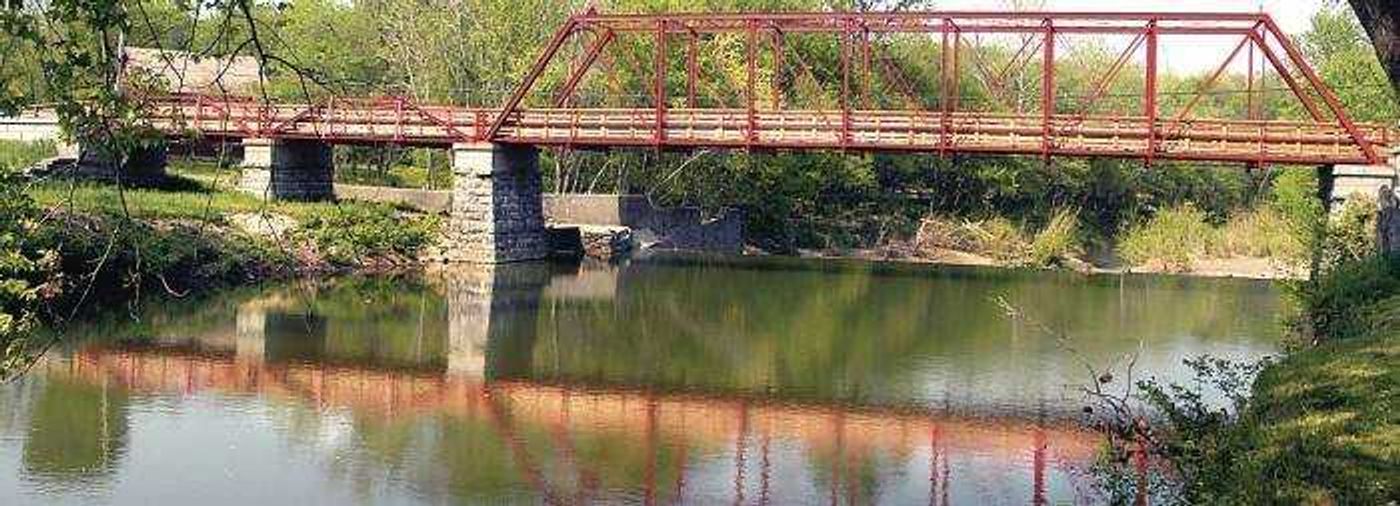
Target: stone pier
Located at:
point(287, 169)
point(497, 213)
point(142, 167)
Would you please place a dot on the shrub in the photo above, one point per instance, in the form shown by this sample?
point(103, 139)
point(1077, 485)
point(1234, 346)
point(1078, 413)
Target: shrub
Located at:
point(1349, 300)
point(1175, 237)
point(1058, 240)
point(945, 233)
point(1001, 239)
point(1351, 233)
point(350, 233)
point(109, 258)
point(27, 269)
point(1262, 232)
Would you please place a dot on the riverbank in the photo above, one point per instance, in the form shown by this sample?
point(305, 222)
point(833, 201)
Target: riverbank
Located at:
point(1323, 425)
point(1267, 242)
point(74, 248)
point(1256, 268)
point(1320, 425)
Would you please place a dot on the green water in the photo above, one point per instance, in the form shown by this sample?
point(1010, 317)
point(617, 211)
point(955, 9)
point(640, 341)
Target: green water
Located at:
point(667, 380)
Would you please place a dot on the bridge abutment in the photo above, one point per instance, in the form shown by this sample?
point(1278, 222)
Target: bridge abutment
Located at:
point(1347, 182)
point(497, 213)
point(286, 169)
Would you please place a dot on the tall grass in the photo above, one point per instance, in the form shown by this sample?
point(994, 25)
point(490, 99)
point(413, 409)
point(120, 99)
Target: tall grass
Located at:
point(1058, 241)
point(1002, 240)
point(16, 155)
point(1262, 232)
point(1175, 238)
point(1178, 237)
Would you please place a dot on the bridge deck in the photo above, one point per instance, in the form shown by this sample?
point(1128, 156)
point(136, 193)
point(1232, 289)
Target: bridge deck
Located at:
point(399, 121)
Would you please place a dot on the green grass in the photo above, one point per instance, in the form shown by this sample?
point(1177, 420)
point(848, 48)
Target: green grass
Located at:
point(1262, 232)
point(14, 154)
point(1324, 426)
point(1175, 237)
point(180, 199)
point(188, 195)
point(1003, 240)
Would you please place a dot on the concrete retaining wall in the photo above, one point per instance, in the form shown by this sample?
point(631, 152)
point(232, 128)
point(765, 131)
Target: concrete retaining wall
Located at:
point(675, 228)
point(42, 126)
point(428, 201)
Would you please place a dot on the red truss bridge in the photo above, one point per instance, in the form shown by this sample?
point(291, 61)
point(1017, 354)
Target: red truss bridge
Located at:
point(833, 81)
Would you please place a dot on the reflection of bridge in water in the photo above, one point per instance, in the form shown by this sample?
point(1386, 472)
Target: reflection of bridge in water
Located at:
point(684, 439)
point(695, 422)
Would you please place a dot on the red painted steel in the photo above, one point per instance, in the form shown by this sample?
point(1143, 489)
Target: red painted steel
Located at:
point(857, 122)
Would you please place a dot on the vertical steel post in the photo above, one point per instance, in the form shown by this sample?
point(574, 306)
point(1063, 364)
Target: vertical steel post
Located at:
point(957, 67)
point(1249, 83)
point(1150, 93)
point(944, 102)
point(660, 93)
point(1047, 92)
point(867, 68)
point(845, 84)
point(777, 69)
point(752, 82)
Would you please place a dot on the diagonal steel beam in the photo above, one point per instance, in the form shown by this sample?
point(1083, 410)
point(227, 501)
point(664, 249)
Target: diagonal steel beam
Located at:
point(576, 77)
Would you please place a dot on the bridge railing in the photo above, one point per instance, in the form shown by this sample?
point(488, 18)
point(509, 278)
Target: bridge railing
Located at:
point(404, 122)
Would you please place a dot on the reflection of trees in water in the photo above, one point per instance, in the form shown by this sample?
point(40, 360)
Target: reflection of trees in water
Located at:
point(77, 432)
point(859, 333)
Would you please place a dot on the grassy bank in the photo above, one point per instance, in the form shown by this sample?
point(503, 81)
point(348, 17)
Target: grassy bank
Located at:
point(74, 247)
point(1319, 426)
point(1323, 425)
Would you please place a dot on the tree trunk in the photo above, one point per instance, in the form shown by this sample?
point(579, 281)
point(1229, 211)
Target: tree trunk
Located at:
point(1382, 21)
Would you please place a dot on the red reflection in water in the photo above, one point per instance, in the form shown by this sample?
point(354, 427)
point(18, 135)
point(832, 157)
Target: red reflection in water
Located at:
point(853, 436)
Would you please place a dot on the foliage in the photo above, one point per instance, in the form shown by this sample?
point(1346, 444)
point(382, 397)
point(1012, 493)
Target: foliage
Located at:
point(1262, 232)
point(1056, 242)
point(1317, 427)
point(1322, 428)
point(1343, 302)
point(1175, 237)
point(1192, 434)
point(353, 235)
point(414, 168)
point(106, 258)
point(1350, 233)
point(1337, 47)
point(1295, 197)
point(1003, 240)
point(26, 268)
